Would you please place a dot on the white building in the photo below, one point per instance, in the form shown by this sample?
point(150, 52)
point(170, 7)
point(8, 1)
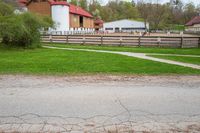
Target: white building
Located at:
point(125, 25)
point(193, 25)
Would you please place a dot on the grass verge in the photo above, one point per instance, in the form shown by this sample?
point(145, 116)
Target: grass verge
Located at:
point(185, 51)
point(43, 61)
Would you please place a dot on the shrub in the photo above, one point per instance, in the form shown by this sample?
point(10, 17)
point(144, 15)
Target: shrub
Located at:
point(5, 9)
point(21, 29)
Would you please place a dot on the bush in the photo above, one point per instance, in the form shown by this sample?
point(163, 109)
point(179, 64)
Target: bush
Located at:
point(21, 29)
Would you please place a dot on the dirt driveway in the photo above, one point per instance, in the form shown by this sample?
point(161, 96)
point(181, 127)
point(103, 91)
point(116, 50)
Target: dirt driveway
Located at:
point(99, 103)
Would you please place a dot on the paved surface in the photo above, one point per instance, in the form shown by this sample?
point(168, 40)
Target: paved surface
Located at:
point(196, 56)
point(137, 55)
point(100, 103)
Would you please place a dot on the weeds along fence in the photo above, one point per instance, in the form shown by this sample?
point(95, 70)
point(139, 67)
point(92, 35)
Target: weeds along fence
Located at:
point(136, 41)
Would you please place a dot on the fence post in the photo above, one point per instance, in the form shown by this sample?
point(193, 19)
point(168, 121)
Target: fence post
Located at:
point(182, 39)
point(101, 40)
point(67, 38)
point(159, 41)
point(83, 40)
point(139, 41)
point(50, 38)
point(199, 43)
point(120, 42)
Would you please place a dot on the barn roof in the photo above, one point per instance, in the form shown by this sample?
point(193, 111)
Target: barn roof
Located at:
point(58, 3)
point(72, 8)
point(195, 20)
point(22, 2)
point(79, 11)
point(98, 21)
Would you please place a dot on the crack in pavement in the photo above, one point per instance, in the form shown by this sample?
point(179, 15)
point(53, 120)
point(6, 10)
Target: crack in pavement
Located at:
point(130, 54)
point(99, 123)
point(115, 107)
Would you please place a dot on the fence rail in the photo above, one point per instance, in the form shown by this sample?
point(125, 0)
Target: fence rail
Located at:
point(159, 41)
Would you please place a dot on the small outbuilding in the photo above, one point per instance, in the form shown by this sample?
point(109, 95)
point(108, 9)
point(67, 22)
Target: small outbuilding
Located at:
point(125, 25)
point(98, 24)
point(193, 25)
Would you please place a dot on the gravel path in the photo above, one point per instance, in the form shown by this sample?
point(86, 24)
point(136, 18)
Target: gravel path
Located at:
point(131, 54)
point(99, 103)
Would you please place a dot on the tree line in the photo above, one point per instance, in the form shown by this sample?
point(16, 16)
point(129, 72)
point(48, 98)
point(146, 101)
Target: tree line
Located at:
point(160, 16)
point(171, 15)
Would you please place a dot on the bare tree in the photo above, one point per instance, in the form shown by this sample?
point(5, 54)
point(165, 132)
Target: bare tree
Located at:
point(144, 10)
point(158, 15)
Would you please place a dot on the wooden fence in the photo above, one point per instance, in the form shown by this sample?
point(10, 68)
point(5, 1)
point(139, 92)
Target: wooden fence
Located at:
point(137, 41)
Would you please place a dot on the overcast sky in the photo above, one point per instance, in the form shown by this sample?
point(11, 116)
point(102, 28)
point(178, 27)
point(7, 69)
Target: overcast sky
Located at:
point(162, 1)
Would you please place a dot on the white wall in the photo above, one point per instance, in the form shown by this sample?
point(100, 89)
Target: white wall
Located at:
point(124, 24)
point(60, 15)
point(194, 28)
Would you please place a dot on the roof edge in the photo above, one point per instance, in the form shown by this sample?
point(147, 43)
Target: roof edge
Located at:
point(126, 19)
point(63, 3)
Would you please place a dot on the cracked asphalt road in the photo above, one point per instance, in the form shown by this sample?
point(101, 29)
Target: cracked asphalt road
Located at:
point(161, 98)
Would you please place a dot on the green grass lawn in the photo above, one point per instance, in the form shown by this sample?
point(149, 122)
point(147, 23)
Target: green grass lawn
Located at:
point(192, 60)
point(191, 51)
point(61, 62)
point(177, 27)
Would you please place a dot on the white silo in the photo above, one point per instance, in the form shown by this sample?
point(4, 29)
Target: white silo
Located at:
point(60, 15)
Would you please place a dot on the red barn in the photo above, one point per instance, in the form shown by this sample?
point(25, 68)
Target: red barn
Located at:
point(79, 19)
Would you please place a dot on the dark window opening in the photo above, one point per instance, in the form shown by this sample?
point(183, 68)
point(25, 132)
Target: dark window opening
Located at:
point(109, 29)
point(81, 21)
point(133, 28)
point(117, 29)
point(39, 0)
